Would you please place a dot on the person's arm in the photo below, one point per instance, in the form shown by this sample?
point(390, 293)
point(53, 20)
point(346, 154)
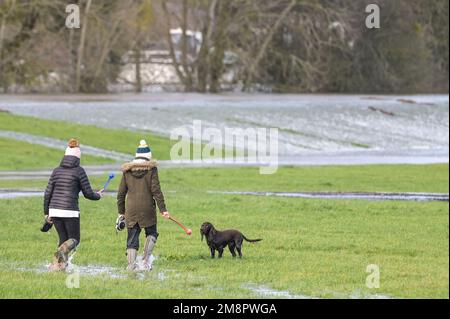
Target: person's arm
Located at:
point(49, 192)
point(157, 193)
point(86, 186)
point(121, 195)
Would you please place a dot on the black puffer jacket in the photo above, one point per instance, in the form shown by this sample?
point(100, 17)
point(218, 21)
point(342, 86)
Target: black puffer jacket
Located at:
point(65, 184)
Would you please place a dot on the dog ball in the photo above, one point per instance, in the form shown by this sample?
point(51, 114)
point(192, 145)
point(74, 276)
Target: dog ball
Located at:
point(189, 232)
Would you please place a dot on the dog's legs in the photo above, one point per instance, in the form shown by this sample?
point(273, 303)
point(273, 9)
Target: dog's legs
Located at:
point(232, 246)
point(213, 252)
point(239, 247)
point(220, 249)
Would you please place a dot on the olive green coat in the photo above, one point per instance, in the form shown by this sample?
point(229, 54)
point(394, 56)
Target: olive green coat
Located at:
point(138, 191)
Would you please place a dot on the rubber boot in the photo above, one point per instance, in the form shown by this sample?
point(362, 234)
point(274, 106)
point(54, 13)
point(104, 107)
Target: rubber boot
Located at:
point(131, 256)
point(61, 257)
point(148, 249)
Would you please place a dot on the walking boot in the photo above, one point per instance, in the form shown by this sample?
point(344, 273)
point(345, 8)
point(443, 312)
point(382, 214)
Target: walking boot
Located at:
point(148, 249)
point(131, 256)
point(61, 257)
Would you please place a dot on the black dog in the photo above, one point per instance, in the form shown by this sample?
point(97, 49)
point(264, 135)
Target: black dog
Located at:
point(218, 240)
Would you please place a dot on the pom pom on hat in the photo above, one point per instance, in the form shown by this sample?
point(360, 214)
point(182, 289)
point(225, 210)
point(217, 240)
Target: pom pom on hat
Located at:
point(73, 148)
point(143, 151)
point(73, 143)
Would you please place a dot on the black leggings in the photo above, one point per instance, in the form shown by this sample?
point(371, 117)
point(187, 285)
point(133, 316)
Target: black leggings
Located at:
point(67, 228)
point(133, 235)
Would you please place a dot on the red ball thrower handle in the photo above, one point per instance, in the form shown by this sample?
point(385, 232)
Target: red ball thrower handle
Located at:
point(186, 230)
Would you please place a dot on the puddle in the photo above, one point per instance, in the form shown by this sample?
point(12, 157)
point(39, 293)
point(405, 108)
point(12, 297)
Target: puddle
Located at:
point(99, 270)
point(162, 276)
point(267, 292)
point(357, 294)
point(8, 194)
point(96, 270)
point(362, 196)
point(5, 194)
point(140, 262)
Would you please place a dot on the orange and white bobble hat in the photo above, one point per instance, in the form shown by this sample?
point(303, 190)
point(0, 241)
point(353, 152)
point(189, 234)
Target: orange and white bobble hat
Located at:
point(73, 148)
point(143, 151)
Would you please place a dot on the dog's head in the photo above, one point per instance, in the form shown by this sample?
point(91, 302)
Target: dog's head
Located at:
point(205, 229)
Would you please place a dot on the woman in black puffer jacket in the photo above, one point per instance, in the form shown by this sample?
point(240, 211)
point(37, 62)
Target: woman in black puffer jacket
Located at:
point(61, 202)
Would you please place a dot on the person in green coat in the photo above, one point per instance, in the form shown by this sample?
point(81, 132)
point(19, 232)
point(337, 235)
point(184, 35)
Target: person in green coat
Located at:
point(138, 191)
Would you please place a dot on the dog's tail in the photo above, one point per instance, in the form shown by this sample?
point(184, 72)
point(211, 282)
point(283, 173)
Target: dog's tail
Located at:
point(251, 240)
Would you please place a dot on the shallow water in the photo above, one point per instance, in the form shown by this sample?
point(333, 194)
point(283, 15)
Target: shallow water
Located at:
point(308, 124)
point(4, 194)
point(99, 270)
point(266, 292)
point(362, 196)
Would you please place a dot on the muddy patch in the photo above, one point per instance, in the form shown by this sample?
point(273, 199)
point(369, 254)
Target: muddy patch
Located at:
point(360, 196)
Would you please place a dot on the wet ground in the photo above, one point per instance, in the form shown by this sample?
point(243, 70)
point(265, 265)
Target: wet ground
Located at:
point(348, 195)
point(329, 129)
point(60, 145)
point(11, 193)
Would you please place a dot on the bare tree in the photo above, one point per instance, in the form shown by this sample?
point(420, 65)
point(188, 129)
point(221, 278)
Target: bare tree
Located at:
point(84, 27)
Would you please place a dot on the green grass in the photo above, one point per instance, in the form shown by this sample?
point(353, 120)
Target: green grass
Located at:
point(17, 155)
point(123, 141)
point(375, 178)
point(311, 247)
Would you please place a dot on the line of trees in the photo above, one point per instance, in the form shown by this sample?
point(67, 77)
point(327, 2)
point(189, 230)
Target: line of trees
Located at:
point(280, 45)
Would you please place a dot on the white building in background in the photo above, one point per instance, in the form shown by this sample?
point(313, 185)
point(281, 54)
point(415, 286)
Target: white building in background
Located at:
point(157, 70)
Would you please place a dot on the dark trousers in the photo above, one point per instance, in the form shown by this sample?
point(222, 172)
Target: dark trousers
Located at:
point(133, 235)
point(67, 228)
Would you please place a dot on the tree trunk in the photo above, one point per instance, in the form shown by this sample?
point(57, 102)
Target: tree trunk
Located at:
point(2, 36)
point(185, 47)
point(173, 56)
point(111, 38)
point(81, 46)
point(262, 51)
point(72, 64)
point(216, 65)
point(137, 61)
point(202, 63)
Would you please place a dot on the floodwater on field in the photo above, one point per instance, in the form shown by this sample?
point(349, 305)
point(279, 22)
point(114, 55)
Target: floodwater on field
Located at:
point(308, 125)
point(270, 293)
point(349, 195)
point(99, 270)
point(266, 292)
point(5, 194)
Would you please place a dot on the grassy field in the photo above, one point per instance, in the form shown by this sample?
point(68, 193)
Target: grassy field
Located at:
point(374, 178)
point(114, 140)
point(17, 155)
point(318, 248)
